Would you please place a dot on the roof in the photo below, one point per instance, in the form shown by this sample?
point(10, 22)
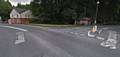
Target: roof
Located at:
point(19, 10)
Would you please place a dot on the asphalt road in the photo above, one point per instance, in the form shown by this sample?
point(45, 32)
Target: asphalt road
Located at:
point(41, 42)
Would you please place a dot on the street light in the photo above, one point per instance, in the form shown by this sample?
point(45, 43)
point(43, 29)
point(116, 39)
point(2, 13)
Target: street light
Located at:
point(96, 12)
point(94, 29)
point(98, 2)
point(75, 17)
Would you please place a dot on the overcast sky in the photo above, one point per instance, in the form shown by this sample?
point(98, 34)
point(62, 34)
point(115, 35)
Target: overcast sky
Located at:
point(15, 2)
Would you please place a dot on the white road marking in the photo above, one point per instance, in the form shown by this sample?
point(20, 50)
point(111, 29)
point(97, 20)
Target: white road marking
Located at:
point(100, 38)
point(111, 41)
point(81, 34)
point(20, 35)
point(76, 33)
point(20, 38)
point(100, 31)
point(72, 32)
point(90, 34)
point(14, 28)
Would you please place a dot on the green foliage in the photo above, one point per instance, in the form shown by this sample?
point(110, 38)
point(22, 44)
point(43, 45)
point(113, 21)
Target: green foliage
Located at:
point(66, 11)
point(27, 6)
point(5, 8)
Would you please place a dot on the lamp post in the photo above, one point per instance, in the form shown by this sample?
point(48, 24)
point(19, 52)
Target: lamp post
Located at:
point(96, 12)
point(94, 29)
point(75, 18)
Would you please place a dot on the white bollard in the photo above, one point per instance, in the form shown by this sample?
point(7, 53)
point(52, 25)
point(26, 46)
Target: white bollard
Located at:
point(90, 35)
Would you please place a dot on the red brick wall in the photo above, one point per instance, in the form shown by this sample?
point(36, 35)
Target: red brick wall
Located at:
point(18, 21)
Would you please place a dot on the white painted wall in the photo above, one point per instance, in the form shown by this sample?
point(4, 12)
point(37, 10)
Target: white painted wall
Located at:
point(26, 14)
point(15, 14)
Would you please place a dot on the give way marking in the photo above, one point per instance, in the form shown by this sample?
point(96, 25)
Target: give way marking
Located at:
point(20, 38)
point(20, 35)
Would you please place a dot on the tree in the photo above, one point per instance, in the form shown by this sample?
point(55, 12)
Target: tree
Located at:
point(64, 10)
point(27, 6)
point(5, 8)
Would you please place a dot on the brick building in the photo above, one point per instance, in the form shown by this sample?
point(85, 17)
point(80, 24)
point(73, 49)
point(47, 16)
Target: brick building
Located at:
point(19, 16)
